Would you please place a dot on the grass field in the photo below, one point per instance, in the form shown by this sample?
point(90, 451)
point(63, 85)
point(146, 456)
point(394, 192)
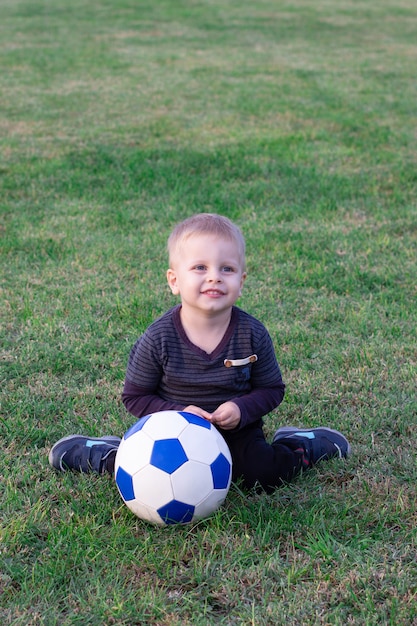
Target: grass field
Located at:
point(118, 118)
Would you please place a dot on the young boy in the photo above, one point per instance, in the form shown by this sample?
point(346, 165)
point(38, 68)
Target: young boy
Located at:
point(211, 358)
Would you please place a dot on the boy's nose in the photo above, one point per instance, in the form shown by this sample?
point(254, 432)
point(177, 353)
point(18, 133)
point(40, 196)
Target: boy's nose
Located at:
point(214, 276)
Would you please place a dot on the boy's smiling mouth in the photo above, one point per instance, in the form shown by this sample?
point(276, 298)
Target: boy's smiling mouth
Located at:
point(213, 292)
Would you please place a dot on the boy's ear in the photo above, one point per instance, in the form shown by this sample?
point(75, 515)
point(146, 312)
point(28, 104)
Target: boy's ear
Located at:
point(172, 281)
point(242, 280)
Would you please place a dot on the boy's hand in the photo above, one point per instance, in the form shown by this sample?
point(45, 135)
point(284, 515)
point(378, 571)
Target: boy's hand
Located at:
point(226, 416)
point(196, 410)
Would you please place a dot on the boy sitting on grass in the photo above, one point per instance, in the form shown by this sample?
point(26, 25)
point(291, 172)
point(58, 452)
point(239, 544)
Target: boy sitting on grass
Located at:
point(209, 357)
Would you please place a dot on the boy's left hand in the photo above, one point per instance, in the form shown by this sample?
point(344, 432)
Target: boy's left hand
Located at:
point(226, 416)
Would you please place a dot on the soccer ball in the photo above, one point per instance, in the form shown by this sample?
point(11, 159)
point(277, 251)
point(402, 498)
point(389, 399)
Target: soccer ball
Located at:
point(173, 467)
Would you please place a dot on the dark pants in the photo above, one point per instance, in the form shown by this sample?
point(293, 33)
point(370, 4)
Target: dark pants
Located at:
point(258, 462)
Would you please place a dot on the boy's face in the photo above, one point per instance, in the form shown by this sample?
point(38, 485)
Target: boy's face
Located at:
point(208, 273)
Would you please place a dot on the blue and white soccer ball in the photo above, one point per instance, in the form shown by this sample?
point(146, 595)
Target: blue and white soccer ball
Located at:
point(173, 467)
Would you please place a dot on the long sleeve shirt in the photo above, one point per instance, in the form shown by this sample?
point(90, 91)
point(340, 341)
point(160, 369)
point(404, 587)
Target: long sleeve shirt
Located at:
point(166, 371)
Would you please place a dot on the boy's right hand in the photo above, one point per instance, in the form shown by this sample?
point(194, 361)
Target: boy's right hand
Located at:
point(196, 410)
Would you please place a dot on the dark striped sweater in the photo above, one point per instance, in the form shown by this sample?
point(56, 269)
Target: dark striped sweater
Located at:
point(166, 371)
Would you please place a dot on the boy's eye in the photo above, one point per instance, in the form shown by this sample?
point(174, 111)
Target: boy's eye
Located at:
point(225, 268)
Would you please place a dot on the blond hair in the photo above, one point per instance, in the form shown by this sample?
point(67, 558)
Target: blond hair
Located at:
point(205, 224)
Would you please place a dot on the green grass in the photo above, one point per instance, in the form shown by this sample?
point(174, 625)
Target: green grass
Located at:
point(296, 120)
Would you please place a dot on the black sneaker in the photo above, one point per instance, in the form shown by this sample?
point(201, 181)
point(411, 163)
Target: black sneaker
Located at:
point(318, 444)
point(84, 454)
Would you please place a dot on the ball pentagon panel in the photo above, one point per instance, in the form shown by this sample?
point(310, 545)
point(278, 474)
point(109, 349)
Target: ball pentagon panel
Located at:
point(168, 455)
point(176, 512)
point(221, 471)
